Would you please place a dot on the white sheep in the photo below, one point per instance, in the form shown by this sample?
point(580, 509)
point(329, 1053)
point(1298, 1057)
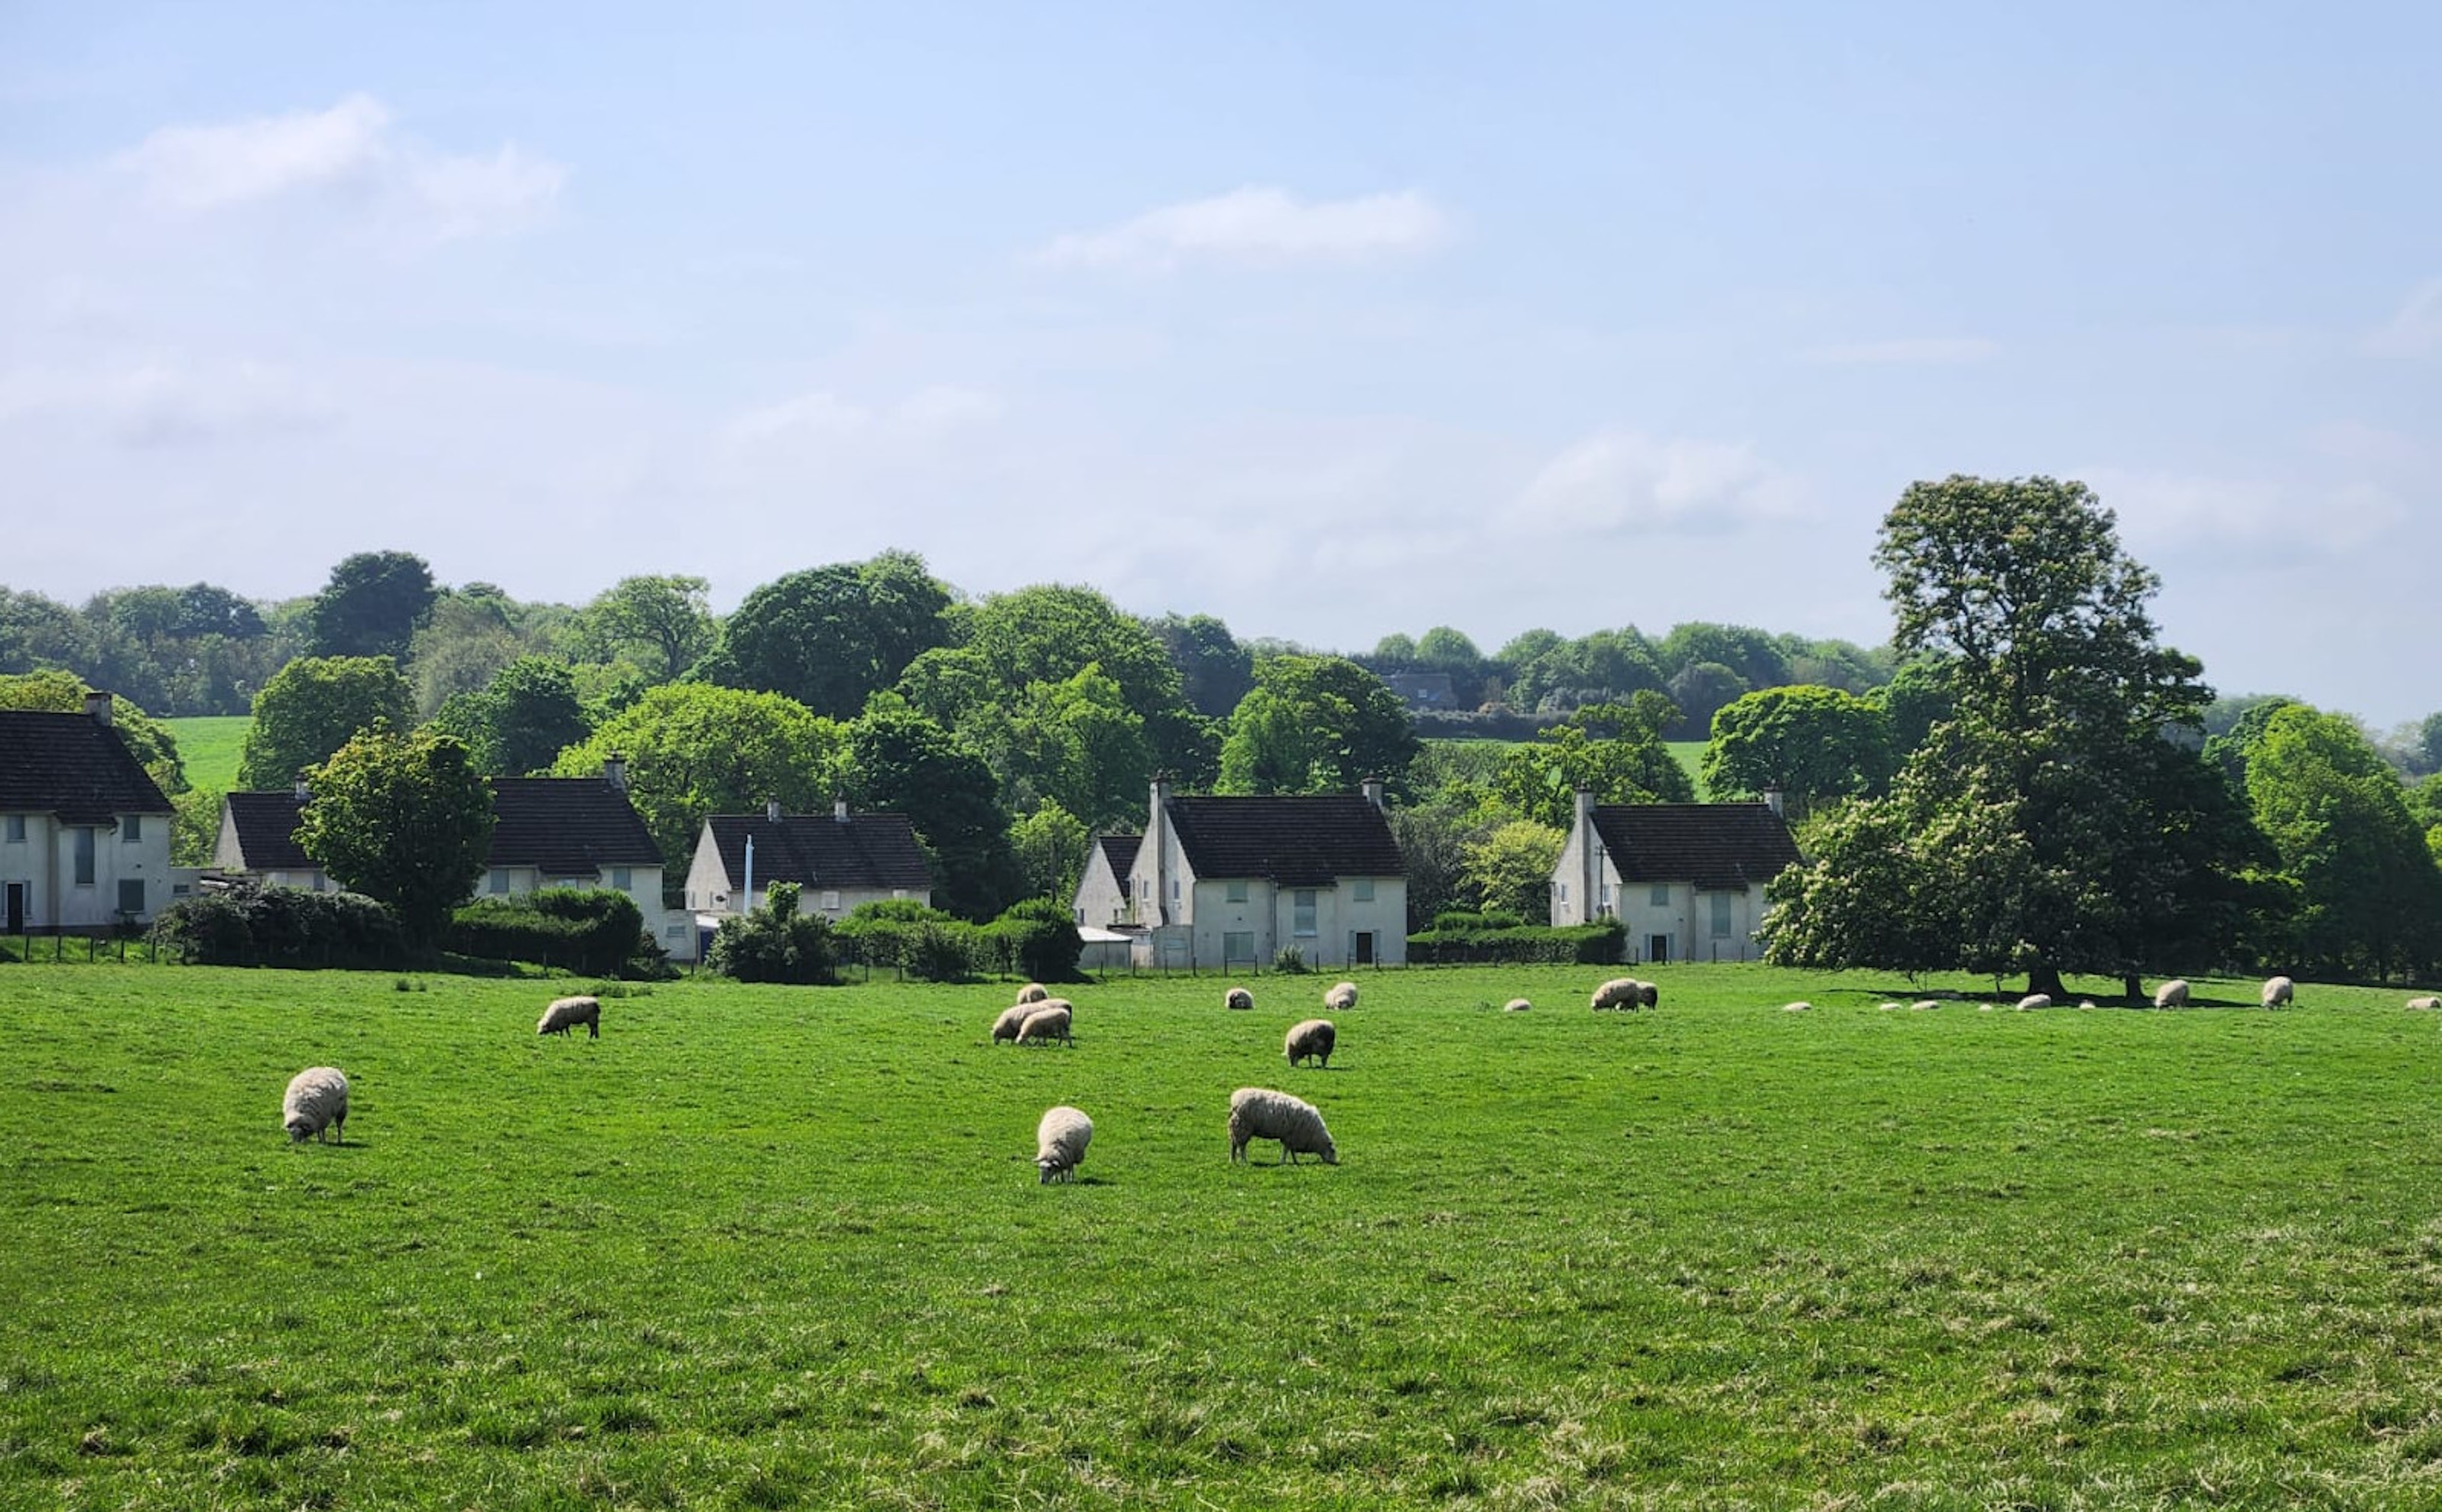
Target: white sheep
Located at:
point(2086, 1002)
point(1238, 998)
point(1060, 1144)
point(1889, 1008)
point(2278, 990)
point(1516, 1005)
point(1050, 1021)
point(565, 1014)
point(1923, 1005)
point(316, 1100)
point(2424, 1005)
point(1620, 992)
point(2034, 1000)
point(1259, 1113)
point(2172, 993)
point(1340, 998)
point(1313, 1039)
point(1796, 1008)
point(1006, 1027)
point(1033, 992)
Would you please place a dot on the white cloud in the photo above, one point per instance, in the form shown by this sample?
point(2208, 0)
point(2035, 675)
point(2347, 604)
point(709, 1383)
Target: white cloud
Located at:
point(1920, 351)
point(1260, 224)
point(1619, 480)
point(2257, 520)
point(351, 147)
point(169, 401)
point(2417, 329)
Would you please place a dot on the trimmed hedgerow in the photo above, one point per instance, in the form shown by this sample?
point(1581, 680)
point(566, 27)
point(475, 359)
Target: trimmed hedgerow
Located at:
point(249, 924)
point(1596, 944)
point(588, 930)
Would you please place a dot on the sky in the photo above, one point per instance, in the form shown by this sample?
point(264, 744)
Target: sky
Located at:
point(1331, 321)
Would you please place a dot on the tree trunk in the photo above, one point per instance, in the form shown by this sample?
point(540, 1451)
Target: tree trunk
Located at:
point(2045, 977)
point(2132, 987)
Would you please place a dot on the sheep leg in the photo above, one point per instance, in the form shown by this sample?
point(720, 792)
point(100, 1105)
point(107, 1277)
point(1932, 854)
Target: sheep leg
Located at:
point(594, 1030)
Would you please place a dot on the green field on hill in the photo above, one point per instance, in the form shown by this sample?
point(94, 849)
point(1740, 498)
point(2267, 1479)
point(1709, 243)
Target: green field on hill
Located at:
point(209, 746)
point(769, 1247)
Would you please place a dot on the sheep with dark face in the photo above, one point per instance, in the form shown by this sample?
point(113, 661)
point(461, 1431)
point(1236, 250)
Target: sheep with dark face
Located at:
point(1060, 1144)
point(316, 1103)
point(1340, 998)
point(2280, 991)
point(1259, 1113)
point(2424, 1005)
point(1620, 992)
point(1312, 1040)
point(1238, 999)
point(566, 1013)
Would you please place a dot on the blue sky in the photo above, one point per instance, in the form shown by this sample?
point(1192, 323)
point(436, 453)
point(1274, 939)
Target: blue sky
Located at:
point(1331, 321)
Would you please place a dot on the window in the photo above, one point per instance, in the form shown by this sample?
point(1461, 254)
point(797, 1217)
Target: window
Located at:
point(1302, 913)
point(1237, 948)
point(498, 882)
point(1174, 889)
point(16, 829)
point(1660, 898)
point(1234, 892)
point(84, 855)
point(622, 878)
point(1361, 890)
point(131, 895)
point(830, 901)
point(1720, 915)
point(1564, 891)
point(131, 830)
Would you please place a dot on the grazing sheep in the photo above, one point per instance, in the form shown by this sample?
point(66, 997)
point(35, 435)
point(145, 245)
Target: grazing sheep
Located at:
point(1313, 1040)
point(1050, 1021)
point(2278, 990)
point(1060, 1144)
point(1259, 1113)
point(2425, 1005)
point(1006, 1027)
point(1923, 1004)
point(1516, 1005)
point(2172, 993)
point(1648, 995)
point(316, 1100)
point(1889, 1008)
point(2034, 1000)
point(1340, 998)
point(2086, 1002)
point(1620, 992)
point(564, 1015)
point(1796, 1008)
point(1239, 998)
point(1033, 992)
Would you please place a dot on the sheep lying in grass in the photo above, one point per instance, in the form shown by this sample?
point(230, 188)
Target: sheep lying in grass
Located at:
point(316, 1100)
point(1516, 1005)
point(1010, 1020)
point(1060, 1144)
point(1238, 998)
point(1620, 992)
point(1050, 1021)
point(1891, 1007)
point(1923, 1005)
point(1312, 1040)
point(2172, 993)
point(1259, 1113)
point(2034, 1000)
point(564, 1015)
point(2424, 1005)
point(2278, 990)
point(1033, 992)
point(1796, 1008)
point(1340, 998)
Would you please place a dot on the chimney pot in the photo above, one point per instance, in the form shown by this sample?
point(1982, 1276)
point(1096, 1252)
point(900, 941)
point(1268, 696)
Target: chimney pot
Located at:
point(771, 809)
point(839, 809)
point(98, 708)
point(615, 772)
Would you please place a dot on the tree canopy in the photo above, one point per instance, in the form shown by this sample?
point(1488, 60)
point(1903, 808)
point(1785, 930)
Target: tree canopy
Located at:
point(831, 637)
point(403, 819)
point(1316, 724)
point(1812, 744)
point(313, 706)
point(372, 606)
point(2369, 896)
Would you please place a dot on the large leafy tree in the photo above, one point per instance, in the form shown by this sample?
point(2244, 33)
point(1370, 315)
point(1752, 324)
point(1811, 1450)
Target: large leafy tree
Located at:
point(1812, 744)
point(1614, 751)
point(470, 634)
point(313, 706)
point(1215, 670)
point(1316, 724)
point(2370, 899)
point(694, 749)
point(520, 721)
point(2033, 829)
point(901, 762)
point(1050, 846)
point(1050, 632)
point(372, 606)
point(1510, 868)
point(1755, 656)
point(662, 624)
point(831, 637)
point(402, 818)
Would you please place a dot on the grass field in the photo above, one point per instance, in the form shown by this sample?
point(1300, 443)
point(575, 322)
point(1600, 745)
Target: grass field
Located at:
point(209, 744)
point(769, 1247)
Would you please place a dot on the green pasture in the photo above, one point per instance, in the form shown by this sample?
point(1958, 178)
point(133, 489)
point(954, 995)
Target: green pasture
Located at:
point(209, 746)
point(771, 1248)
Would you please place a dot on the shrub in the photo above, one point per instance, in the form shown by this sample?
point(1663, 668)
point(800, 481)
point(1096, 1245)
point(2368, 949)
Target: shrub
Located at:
point(591, 931)
point(1040, 940)
point(249, 924)
point(775, 943)
point(1598, 945)
point(1289, 962)
point(1455, 922)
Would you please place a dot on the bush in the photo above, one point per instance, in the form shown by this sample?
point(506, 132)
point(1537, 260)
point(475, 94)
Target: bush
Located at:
point(775, 943)
point(249, 924)
point(1476, 924)
point(593, 932)
point(1598, 945)
point(1289, 962)
point(1042, 940)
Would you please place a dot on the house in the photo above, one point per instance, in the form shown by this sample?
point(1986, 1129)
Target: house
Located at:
point(258, 839)
point(837, 860)
point(1423, 690)
point(1103, 892)
point(1685, 877)
point(85, 833)
point(1227, 883)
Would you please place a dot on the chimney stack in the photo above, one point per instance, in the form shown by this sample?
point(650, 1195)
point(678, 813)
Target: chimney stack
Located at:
point(1372, 788)
point(301, 789)
point(615, 772)
point(1771, 799)
point(97, 708)
point(839, 811)
point(771, 809)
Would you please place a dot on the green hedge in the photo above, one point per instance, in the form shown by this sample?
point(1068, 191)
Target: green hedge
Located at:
point(1601, 944)
point(249, 924)
point(591, 931)
point(1035, 939)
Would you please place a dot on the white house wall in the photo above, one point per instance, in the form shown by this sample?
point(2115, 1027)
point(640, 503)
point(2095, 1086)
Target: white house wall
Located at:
point(1687, 921)
point(44, 865)
point(1101, 895)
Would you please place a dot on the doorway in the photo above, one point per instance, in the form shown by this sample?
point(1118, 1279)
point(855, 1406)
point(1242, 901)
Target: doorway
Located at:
point(1361, 947)
point(16, 908)
point(1657, 949)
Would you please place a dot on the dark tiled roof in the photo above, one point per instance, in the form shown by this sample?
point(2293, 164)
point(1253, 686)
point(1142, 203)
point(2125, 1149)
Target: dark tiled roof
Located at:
point(267, 831)
point(1307, 842)
point(1121, 851)
point(566, 827)
point(71, 765)
point(1719, 845)
point(818, 850)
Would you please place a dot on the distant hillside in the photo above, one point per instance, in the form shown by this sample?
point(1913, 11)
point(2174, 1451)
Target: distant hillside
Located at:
point(209, 745)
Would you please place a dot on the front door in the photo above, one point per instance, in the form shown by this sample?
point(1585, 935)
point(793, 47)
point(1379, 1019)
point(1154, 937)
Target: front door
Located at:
point(1363, 952)
point(1657, 949)
point(16, 907)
